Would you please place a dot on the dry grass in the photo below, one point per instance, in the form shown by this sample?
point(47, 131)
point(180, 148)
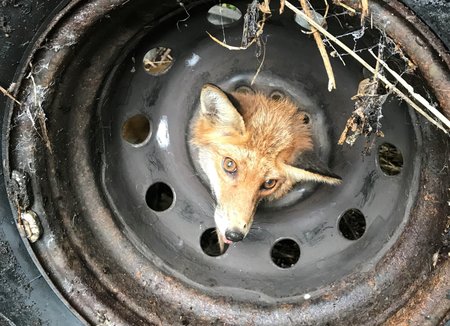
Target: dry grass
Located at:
point(437, 122)
point(7, 94)
point(320, 45)
point(416, 101)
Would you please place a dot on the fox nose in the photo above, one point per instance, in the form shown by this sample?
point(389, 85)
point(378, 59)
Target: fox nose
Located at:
point(234, 236)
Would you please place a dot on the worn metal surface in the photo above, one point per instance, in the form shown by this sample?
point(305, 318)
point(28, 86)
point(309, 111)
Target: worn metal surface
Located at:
point(307, 216)
point(433, 13)
point(25, 297)
point(430, 303)
point(86, 251)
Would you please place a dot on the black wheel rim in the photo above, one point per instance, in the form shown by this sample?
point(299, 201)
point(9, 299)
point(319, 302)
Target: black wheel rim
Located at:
point(93, 187)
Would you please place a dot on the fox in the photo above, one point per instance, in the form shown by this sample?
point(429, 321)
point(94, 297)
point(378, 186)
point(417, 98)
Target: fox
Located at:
point(250, 147)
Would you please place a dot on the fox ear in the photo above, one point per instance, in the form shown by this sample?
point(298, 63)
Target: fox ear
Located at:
point(308, 167)
point(217, 107)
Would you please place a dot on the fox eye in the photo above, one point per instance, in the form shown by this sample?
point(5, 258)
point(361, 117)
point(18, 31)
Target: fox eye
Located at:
point(269, 184)
point(229, 165)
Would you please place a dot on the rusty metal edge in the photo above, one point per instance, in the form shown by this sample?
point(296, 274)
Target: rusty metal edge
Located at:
point(429, 306)
point(19, 77)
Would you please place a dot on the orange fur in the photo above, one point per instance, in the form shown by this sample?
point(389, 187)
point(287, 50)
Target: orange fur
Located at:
point(271, 137)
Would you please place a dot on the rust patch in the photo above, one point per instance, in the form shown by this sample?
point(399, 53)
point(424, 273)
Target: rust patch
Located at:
point(429, 303)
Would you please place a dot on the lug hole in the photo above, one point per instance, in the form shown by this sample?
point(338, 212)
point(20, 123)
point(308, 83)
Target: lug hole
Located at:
point(159, 196)
point(158, 61)
point(223, 15)
point(136, 130)
point(390, 159)
point(244, 90)
point(352, 224)
point(277, 95)
point(285, 253)
point(210, 243)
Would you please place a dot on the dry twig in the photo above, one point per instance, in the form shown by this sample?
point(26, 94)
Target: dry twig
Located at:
point(410, 90)
point(366, 65)
point(365, 119)
point(7, 94)
point(364, 10)
point(307, 15)
point(325, 15)
point(260, 65)
point(281, 6)
point(343, 5)
point(264, 7)
point(231, 47)
point(40, 114)
point(252, 31)
point(320, 45)
point(254, 35)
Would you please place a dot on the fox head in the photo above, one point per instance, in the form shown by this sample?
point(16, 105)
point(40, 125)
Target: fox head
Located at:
point(248, 146)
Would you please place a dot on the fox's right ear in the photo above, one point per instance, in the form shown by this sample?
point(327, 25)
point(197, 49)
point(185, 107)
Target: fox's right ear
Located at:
point(216, 106)
point(308, 167)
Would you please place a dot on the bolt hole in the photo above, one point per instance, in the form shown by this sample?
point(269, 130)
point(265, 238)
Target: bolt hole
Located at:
point(210, 243)
point(285, 253)
point(223, 15)
point(158, 61)
point(244, 90)
point(276, 95)
point(390, 159)
point(136, 130)
point(352, 224)
point(159, 196)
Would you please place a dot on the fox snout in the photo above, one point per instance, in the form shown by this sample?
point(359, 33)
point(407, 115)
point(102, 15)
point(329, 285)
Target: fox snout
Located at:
point(234, 236)
point(234, 216)
point(251, 147)
point(230, 229)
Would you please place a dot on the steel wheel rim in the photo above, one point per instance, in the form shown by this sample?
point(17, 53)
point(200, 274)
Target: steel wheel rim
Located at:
point(95, 267)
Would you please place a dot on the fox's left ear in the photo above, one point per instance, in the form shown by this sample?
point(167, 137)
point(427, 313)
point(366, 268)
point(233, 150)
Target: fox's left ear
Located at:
point(216, 106)
point(308, 167)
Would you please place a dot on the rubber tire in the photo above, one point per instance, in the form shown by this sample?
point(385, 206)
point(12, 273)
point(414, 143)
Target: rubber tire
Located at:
point(25, 297)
